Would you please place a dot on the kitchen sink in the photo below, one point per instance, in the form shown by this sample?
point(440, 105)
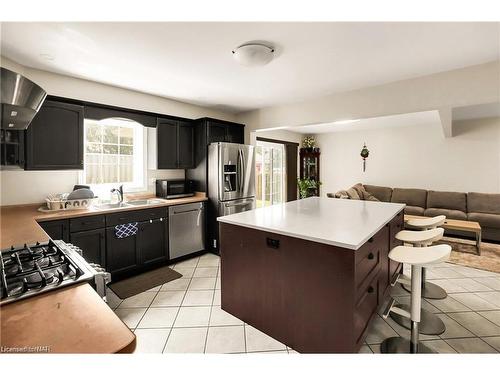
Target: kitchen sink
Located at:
point(143, 202)
point(107, 206)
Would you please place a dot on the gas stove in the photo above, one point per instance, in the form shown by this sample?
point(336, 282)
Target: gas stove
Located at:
point(31, 270)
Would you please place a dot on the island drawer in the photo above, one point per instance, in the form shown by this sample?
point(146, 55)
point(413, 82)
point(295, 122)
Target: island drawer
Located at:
point(373, 245)
point(366, 267)
point(78, 224)
point(135, 215)
point(365, 307)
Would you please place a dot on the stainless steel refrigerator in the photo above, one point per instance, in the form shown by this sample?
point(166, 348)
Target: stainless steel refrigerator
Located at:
point(231, 183)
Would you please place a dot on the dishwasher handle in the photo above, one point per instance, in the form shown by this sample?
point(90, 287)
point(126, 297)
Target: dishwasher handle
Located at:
point(198, 219)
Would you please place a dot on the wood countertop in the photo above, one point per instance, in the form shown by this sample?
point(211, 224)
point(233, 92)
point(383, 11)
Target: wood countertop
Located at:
point(18, 224)
point(68, 320)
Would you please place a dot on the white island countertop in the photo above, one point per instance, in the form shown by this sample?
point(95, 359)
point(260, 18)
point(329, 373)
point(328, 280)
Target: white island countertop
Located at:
point(339, 222)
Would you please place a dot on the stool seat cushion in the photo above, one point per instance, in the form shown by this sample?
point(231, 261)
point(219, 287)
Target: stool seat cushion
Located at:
point(420, 236)
point(427, 222)
point(421, 256)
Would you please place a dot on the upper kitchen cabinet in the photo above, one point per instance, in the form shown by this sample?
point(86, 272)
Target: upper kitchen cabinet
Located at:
point(54, 139)
point(174, 144)
point(223, 131)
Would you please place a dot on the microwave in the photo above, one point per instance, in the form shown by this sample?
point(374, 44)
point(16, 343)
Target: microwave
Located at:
point(171, 189)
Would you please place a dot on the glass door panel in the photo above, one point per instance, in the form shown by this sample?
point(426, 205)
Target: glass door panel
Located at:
point(270, 173)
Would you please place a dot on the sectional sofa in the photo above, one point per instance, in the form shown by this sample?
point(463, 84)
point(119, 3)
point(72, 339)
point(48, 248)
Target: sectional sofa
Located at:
point(480, 207)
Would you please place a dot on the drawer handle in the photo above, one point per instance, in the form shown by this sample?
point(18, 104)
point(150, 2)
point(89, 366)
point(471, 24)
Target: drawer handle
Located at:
point(370, 289)
point(371, 256)
point(370, 240)
point(275, 244)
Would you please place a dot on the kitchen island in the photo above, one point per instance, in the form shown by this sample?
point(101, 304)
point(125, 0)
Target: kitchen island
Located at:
point(310, 273)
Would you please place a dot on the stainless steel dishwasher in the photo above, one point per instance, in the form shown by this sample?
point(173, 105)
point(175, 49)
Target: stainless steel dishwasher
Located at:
point(186, 223)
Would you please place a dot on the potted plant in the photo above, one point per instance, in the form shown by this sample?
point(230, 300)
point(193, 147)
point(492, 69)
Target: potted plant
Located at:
point(306, 187)
point(308, 143)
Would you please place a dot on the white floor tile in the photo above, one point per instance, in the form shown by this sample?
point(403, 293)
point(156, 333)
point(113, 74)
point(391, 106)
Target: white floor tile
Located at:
point(492, 316)
point(470, 345)
point(168, 299)
point(490, 282)
point(193, 316)
point(193, 262)
point(205, 272)
point(491, 297)
point(258, 341)
point(209, 261)
point(471, 286)
point(150, 340)
point(473, 301)
point(449, 304)
point(186, 340)
point(476, 323)
point(219, 317)
point(186, 273)
point(177, 284)
point(159, 317)
point(202, 283)
point(217, 284)
point(230, 339)
point(217, 296)
point(139, 300)
point(198, 298)
point(449, 285)
point(130, 317)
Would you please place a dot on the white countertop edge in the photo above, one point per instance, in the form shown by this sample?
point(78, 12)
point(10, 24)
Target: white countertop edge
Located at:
point(223, 219)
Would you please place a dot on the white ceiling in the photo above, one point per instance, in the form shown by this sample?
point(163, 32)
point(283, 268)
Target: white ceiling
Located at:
point(192, 62)
point(406, 119)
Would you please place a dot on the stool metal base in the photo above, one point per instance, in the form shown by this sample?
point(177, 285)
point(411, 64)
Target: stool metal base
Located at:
point(400, 345)
point(430, 324)
point(429, 290)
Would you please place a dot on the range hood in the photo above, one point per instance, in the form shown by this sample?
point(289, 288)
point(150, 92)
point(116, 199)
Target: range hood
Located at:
point(20, 100)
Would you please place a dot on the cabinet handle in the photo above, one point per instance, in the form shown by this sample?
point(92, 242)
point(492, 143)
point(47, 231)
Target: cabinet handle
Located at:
point(370, 289)
point(275, 244)
point(371, 256)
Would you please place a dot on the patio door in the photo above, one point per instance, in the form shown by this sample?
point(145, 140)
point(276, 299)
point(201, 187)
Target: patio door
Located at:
point(270, 173)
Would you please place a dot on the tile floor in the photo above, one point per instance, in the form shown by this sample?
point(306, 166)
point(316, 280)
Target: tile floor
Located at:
point(184, 316)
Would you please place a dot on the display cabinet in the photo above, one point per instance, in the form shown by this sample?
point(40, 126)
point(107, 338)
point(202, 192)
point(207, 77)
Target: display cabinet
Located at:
point(309, 167)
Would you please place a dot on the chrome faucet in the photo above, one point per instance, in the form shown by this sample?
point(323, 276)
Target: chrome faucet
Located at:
point(119, 191)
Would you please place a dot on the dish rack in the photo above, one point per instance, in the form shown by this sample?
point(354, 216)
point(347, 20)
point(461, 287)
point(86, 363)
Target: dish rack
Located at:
point(58, 202)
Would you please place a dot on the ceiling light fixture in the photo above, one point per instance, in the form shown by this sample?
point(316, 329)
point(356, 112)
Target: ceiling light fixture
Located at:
point(345, 122)
point(253, 54)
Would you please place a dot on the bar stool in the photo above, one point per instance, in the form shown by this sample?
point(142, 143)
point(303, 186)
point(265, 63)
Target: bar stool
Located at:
point(429, 290)
point(430, 324)
point(417, 259)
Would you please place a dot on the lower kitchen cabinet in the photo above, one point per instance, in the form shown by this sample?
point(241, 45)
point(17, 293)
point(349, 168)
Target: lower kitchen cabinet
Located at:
point(122, 254)
point(93, 245)
point(56, 229)
point(152, 240)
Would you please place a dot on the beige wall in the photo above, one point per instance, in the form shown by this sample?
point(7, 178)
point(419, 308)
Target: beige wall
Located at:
point(415, 156)
point(472, 85)
point(22, 187)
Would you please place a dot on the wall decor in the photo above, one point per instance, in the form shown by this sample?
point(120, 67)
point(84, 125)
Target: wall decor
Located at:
point(364, 154)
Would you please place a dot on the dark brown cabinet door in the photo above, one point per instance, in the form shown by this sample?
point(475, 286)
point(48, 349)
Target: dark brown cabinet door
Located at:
point(216, 132)
point(167, 144)
point(185, 145)
point(235, 134)
point(122, 254)
point(152, 241)
point(54, 139)
point(93, 245)
point(56, 229)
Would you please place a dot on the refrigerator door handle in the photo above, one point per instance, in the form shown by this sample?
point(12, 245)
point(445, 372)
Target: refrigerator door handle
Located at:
point(239, 204)
point(240, 174)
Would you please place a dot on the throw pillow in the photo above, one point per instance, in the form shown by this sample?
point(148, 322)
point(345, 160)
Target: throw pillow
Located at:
point(352, 193)
point(369, 197)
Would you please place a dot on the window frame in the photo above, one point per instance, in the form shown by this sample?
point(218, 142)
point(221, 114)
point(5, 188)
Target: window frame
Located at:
point(140, 182)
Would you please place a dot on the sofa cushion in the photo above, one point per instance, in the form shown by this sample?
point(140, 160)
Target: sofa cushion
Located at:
point(412, 197)
point(450, 214)
point(382, 193)
point(352, 193)
point(485, 203)
point(485, 220)
point(447, 199)
point(414, 210)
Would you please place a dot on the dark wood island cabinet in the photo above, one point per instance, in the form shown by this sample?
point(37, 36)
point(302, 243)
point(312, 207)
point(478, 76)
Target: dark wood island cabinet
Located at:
point(315, 288)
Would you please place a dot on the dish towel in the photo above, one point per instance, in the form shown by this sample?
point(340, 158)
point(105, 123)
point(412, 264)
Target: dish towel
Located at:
point(126, 230)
